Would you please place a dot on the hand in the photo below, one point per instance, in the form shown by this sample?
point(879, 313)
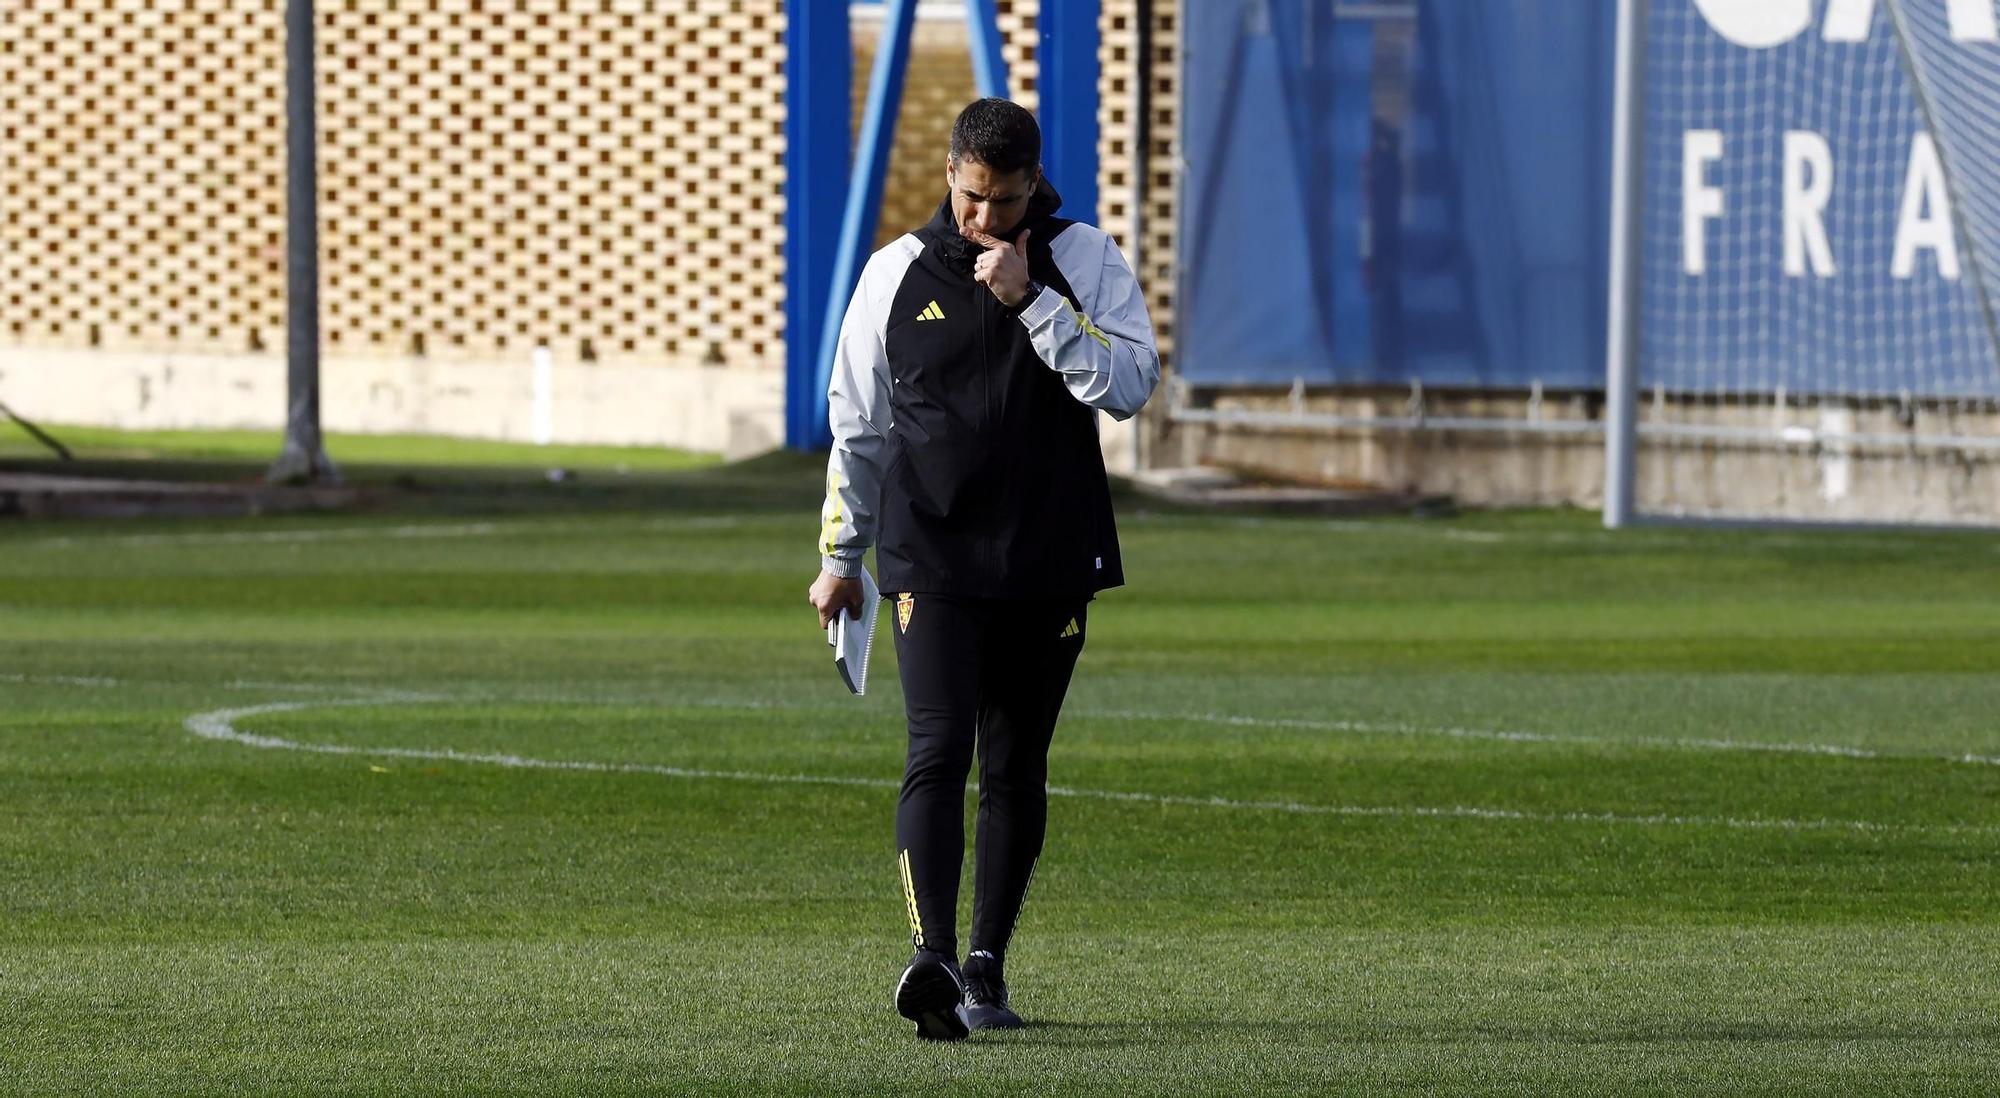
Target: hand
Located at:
point(831, 594)
point(1003, 267)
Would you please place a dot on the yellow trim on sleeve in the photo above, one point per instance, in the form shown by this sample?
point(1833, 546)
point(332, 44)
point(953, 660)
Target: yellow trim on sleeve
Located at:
point(1088, 327)
point(830, 529)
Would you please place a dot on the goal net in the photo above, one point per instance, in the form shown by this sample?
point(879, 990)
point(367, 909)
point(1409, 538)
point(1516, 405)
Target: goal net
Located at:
point(1819, 249)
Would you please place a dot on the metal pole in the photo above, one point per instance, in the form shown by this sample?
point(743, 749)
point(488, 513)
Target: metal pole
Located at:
point(1621, 374)
point(989, 64)
point(1142, 170)
point(37, 433)
point(303, 460)
point(818, 54)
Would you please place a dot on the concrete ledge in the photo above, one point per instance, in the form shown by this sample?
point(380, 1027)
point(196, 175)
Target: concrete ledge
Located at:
point(731, 411)
point(1806, 462)
point(1222, 490)
point(29, 495)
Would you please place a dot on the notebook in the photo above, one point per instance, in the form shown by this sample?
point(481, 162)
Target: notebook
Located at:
point(852, 637)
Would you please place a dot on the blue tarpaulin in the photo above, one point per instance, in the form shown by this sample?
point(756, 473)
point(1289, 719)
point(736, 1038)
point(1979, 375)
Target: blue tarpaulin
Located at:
point(1463, 243)
point(1277, 124)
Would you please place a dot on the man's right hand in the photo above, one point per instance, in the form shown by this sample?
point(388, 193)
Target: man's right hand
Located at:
point(831, 594)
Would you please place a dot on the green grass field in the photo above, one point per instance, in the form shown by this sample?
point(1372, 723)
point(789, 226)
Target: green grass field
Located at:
point(554, 792)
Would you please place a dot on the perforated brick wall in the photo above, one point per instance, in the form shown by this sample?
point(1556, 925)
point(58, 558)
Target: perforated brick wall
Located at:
point(605, 176)
point(141, 174)
point(1118, 56)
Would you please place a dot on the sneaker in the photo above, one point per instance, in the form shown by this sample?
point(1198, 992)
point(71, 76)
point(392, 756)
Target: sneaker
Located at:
point(931, 994)
point(986, 994)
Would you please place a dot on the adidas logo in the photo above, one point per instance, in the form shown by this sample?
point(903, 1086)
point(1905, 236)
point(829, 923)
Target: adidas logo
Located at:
point(931, 312)
point(1071, 630)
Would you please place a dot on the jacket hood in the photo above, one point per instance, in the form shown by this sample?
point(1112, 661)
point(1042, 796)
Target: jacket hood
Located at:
point(959, 253)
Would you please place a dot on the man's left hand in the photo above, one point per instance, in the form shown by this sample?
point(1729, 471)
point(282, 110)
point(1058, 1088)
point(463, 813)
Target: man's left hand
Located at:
point(1003, 267)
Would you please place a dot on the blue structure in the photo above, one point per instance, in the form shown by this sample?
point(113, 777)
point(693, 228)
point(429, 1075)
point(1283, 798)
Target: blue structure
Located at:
point(1505, 236)
point(822, 263)
point(1324, 241)
point(863, 200)
point(1277, 132)
point(989, 65)
point(1067, 94)
point(818, 52)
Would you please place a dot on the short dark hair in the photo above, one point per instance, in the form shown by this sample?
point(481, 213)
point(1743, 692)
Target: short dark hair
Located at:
point(999, 134)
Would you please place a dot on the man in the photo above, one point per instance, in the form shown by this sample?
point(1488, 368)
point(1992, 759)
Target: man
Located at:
point(972, 361)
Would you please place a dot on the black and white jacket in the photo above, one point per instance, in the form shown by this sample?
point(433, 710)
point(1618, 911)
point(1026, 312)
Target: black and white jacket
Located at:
point(964, 432)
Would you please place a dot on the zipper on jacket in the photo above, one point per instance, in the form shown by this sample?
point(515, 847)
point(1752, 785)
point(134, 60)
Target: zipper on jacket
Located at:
point(988, 551)
point(985, 364)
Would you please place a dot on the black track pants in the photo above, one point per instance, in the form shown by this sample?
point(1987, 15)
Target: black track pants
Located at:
point(991, 675)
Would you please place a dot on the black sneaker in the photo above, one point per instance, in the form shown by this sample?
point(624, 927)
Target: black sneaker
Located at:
point(931, 994)
point(986, 994)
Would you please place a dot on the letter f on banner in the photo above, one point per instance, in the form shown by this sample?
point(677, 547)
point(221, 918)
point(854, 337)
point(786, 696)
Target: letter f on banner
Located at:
point(1700, 202)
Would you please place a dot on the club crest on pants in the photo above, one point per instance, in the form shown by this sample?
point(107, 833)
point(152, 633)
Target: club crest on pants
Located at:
point(905, 604)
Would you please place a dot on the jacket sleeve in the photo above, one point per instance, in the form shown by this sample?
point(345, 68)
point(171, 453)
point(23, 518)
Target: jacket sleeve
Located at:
point(857, 401)
point(1102, 343)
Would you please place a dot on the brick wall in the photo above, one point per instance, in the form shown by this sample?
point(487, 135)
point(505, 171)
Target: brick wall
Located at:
point(605, 177)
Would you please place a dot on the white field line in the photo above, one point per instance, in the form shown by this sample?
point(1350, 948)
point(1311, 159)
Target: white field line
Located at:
point(61, 680)
point(253, 537)
point(411, 531)
point(234, 684)
point(1652, 538)
point(1365, 728)
point(1382, 729)
point(220, 725)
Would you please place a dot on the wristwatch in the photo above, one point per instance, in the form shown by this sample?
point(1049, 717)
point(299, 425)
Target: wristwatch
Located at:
point(1034, 291)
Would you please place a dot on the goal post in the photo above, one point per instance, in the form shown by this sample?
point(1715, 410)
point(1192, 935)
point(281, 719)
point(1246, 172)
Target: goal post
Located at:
point(1805, 245)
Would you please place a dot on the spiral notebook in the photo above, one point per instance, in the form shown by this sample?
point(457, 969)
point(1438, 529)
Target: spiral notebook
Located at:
point(853, 637)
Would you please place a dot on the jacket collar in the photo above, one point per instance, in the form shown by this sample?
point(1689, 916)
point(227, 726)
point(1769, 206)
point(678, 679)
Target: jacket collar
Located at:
point(958, 253)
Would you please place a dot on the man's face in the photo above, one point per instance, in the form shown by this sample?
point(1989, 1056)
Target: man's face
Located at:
point(989, 201)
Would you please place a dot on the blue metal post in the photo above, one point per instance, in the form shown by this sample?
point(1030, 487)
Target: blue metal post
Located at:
point(1068, 95)
point(864, 190)
point(989, 65)
point(818, 66)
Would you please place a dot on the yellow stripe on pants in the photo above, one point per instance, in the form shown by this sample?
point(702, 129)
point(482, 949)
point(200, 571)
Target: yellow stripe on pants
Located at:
point(910, 897)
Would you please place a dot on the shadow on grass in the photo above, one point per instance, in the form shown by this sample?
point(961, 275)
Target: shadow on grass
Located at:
point(778, 482)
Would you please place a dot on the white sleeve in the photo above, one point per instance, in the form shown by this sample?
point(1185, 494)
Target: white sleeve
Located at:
point(1102, 343)
point(857, 407)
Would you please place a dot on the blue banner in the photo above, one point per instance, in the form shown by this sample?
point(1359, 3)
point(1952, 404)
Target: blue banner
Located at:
point(1800, 231)
point(1803, 230)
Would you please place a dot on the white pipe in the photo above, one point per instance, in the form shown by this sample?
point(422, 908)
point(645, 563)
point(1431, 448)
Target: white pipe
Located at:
point(545, 395)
